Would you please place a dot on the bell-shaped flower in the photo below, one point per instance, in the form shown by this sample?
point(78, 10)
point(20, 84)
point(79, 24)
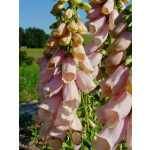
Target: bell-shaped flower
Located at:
point(128, 137)
point(118, 107)
point(81, 28)
point(37, 120)
point(97, 25)
point(95, 59)
point(111, 69)
point(46, 75)
point(39, 87)
point(100, 114)
point(65, 39)
point(54, 86)
point(87, 67)
point(51, 104)
point(58, 6)
point(121, 43)
point(68, 70)
point(41, 96)
point(41, 59)
point(47, 51)
point(78, 52)
point(76, 147)
point(56, 138)
point(87, 25)
point(129, 85)
point(56, 59)
point(115, 83)
point(114, 59)
point(108, 7)
point(101, 36)
point(78, 39)
point(96, 12)
point(70, 95)
point(119, 29)
point(76, 131)
point(60, 30)
point(112, 16)
point(64, 117)
point(91, 48)
point(84, 82)
point(109, 138)
point(72, 27)
point(95, 73)
point(52, 42)
point(67, 14)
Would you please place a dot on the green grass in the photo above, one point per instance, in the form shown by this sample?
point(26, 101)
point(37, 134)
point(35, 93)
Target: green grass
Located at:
point(27, 82)
point(28, 74)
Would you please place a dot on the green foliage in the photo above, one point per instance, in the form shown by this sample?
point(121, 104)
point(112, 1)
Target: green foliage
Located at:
point(24, 59)
point(32, 37)
point(27, 82)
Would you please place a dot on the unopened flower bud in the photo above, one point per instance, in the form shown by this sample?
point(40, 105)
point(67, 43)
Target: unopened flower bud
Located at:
point(126, 1)
point(78, 16)
point(108, 7)
point(63, 1)
point(81, 28)
point(85, 6)
point(91, 124)
point(58, 6)
point(72, 27)
point(76, 2)
point(65, 40)
point(77, 38)
point(53, 11)
point(67, 14)
point(52, 42)
point(47, 51)
point(97, 1)
point(60, 30)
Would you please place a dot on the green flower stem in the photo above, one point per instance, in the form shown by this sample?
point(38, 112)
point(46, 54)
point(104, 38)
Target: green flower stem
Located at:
point(70, 143)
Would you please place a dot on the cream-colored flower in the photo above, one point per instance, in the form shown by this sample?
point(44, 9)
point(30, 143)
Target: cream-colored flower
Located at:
point(72, 27)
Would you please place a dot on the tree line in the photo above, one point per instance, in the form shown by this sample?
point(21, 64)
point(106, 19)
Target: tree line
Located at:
point(32, 37)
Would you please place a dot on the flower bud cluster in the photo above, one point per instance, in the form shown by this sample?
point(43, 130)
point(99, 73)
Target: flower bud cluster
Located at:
point(119, 85)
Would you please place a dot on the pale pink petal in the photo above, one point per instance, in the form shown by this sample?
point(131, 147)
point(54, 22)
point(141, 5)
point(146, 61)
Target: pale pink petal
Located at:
point(84, 82)
point(97, 25)
point(95, 73)
point(68, 70)
point(108, 7)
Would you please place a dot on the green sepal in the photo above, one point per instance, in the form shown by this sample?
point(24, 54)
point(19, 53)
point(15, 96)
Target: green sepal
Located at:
point(128, 19)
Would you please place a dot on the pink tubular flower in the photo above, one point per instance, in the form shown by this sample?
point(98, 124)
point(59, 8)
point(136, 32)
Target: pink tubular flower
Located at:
point(128, 137)
point(121, 43)
point(114, 59)
point(47, 51)
point(76, 131)
point(87, 25)
point(70, 95)
point(68, 70)
point(51, 104)
point(91, 48)
point(112, 16)
point(46, 75)
point(108, 138)
point(64, 117)
point(112, 69)
point(118, 107)
point(41, 59)
point(100, 114)
point(56, 138)
point(96, 12)
point(95, 59)
point(56, 59)
point(41, 96)
point(96, 25)
point(115, 83)
point(78, 52)
point(43, 64)
point(87, 67)
point(108, 7)
point(84, 82)
point(95, 73)
point(54, 86)
point(101, 36)
point(119, 29)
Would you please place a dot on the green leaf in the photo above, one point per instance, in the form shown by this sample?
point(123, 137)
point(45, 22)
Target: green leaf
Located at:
point(86, 143)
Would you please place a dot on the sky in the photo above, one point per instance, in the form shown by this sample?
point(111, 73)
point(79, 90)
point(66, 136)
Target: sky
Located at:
point(36, 13)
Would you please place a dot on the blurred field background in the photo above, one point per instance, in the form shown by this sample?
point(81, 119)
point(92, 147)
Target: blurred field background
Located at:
point(28, 73)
